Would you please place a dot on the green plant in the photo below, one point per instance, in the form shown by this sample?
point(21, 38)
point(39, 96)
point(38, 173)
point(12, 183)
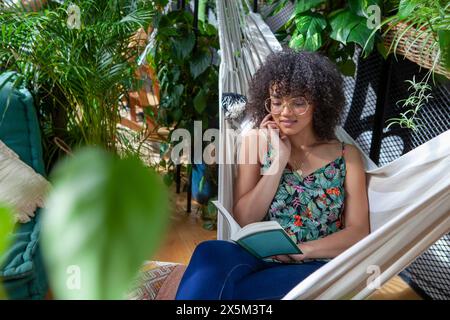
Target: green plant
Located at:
point(417, 99)
point(332, 27)
point(209, 215)
point(78, 64)
point(209, 210)
point(335, 27)
point(183, 57)
point(431, 19)
point(6, 228)
point(103, 218)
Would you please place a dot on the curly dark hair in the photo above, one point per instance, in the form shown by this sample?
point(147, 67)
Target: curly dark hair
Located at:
point(310, 74)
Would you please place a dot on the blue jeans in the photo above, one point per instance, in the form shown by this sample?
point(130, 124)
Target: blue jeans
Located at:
point(223, 270)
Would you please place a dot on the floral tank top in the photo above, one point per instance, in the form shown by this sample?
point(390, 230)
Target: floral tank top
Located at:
point(311, 207)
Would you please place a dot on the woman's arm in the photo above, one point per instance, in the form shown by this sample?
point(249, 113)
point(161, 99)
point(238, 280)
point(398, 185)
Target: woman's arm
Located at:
point(254, 193)
point(356, 214)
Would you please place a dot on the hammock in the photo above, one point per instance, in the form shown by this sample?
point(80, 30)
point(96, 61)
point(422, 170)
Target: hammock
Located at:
point(408, 198)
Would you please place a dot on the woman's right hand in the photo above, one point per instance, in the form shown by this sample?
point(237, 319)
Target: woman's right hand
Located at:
point(277, 138)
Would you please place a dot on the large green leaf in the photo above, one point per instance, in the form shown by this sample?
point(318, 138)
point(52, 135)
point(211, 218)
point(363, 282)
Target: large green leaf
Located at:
point(310, 23)
point(6, 229)
point(183, 46)
point(173, 99)
point(200, 62)
point(297, 40)
point(308, 35)
point(349, 27)
point(444, 44)
point(207, 28)
point(360, 34)
point(313, 42)
point(342, 23)
point(305, 5)
point(200, 101)
point(290, 189)
point(359, 7)
point(104, 217)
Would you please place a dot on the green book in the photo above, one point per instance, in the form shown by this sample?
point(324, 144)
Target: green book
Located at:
point(265, 239)
point(261, 239)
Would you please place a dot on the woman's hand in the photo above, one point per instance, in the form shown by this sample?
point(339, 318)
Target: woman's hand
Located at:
point(283, 142)
point(292, 258)
point(268, 123)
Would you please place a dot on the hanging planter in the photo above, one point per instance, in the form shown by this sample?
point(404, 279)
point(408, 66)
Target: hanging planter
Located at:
point(428, 48)
point(417, 45)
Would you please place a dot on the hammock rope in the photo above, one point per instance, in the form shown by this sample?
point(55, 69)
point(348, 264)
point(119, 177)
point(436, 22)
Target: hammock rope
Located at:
point(408, 198)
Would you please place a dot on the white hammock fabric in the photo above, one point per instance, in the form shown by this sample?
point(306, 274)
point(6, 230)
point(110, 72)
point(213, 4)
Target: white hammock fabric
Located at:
point(408, 198)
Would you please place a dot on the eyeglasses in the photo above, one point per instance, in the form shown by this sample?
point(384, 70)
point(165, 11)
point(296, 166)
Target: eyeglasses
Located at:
point(298, 105)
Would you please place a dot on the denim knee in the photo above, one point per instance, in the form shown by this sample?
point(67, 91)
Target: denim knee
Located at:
point(213, 249)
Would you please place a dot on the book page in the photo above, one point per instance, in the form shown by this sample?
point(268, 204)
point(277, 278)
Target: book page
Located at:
point(255, 228)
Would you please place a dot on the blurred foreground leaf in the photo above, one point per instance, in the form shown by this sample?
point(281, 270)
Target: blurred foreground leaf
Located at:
point(103, 218)
point(6, 228)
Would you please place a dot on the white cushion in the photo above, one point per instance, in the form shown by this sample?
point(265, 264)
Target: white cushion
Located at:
point(20, 186)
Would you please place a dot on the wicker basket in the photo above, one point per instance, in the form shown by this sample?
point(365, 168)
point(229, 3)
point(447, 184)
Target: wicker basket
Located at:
point(415, 45)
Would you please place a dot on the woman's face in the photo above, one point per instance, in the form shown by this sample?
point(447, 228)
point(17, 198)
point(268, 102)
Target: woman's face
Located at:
point(291, 113)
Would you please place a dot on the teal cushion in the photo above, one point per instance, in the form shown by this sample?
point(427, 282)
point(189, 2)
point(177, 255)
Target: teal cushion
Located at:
point(23, 273)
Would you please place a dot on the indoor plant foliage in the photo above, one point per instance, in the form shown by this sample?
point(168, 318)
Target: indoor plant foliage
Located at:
point(420, 31)
point(103, 218)
point(332, 27)
point(183, 55)
point(76, 59)
point(416, 29)
point(183, 58)
point(423, 28)
point(335, 27)
point(6, 229)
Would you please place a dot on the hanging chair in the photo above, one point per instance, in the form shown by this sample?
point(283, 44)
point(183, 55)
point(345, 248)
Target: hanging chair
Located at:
point(408, 198)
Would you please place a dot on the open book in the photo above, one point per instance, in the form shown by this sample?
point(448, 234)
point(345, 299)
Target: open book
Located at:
point(262, 239)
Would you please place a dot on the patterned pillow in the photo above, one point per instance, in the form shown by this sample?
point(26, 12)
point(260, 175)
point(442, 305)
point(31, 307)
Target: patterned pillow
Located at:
point(20, 186)
point(157, 281)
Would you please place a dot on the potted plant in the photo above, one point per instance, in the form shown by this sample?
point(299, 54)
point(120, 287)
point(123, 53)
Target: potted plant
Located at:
point(183, 55)
point(419, 31)
point(76, 60)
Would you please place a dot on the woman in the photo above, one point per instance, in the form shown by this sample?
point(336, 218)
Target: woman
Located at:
point(316, 188)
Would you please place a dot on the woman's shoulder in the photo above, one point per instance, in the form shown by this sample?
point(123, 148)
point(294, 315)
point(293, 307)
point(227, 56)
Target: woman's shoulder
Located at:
point(328, 149)
point(353, 158)
point(337, 149)
point(345, 147)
